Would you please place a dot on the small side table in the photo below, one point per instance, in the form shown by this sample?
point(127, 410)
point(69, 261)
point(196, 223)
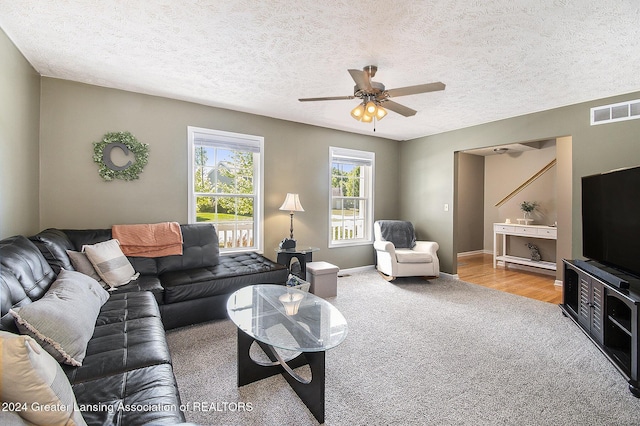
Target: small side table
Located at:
point(302, 254)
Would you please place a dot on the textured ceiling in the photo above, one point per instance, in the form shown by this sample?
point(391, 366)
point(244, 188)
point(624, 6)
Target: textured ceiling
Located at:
point(498, 58)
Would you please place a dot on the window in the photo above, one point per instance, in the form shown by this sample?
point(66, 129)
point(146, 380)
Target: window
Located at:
point(225, 186)
point(351, 203)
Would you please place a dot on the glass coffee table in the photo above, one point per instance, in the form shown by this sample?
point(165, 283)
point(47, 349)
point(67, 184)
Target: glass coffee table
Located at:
point(285, 320)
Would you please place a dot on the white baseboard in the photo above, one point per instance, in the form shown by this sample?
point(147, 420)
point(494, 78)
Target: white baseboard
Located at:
point(474, 252)
point(452, 276)
point(349, 271)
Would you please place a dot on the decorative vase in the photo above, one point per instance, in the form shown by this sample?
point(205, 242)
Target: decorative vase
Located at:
point(526, 219)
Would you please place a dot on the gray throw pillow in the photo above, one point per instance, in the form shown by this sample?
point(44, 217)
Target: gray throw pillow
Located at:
point(110, 263)
point(82, 264)
point(63, 320)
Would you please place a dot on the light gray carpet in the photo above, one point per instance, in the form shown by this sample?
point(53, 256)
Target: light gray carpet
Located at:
point(439, 352)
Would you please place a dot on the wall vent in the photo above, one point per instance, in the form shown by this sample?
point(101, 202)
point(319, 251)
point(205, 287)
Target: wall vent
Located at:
point(615, 112)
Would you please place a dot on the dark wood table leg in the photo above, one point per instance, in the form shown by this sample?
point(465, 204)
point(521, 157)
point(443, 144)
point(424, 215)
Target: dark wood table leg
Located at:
point(311, 392)
point(248, 370)
point(284, 258)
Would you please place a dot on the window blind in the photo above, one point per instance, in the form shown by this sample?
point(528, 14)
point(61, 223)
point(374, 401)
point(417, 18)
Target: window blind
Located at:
point(231, 143)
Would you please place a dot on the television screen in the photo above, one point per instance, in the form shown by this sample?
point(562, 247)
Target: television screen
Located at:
point(611, 219)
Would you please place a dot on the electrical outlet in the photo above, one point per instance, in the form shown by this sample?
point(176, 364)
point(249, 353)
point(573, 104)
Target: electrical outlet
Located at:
point(446, 207)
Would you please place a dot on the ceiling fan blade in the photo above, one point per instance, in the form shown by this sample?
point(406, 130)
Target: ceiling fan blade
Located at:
point(400, 109)
point(329, 98)
point(362, 79)
point(412, 90)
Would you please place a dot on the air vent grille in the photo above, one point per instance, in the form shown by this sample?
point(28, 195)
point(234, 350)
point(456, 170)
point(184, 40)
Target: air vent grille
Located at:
point(615, 112)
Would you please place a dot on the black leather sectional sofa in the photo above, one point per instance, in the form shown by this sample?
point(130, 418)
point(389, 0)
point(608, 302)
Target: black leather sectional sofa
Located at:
point(189, 289)
point(127, 362)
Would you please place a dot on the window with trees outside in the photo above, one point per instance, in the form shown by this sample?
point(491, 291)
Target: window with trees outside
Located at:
point(351, 203)
point(225, 186)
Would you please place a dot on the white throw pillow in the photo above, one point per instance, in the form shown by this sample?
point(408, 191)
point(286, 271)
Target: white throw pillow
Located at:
point(34, 382)
point(110, 263)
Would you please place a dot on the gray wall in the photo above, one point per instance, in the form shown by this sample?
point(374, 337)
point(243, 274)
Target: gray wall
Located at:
point(19, 131)
point(469, 202)
point(73, 195)
point(427, 179)
point(564, 191)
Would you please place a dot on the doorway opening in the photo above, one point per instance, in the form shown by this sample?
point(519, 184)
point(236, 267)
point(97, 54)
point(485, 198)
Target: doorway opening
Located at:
point(491, 183)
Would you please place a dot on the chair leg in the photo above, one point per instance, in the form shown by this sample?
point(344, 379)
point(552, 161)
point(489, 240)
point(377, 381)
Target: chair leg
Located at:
point(386, 277)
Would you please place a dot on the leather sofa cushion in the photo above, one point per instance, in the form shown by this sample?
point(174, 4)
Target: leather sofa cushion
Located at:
point(199, 249)
point(82, 237)
point(125, 341)
point(120, 347)
point(411, 256)
point(144, 283)
point(106, 399)
point(126, 307)
point(25, 276)
point(53, 244)
point(233, 272)
point(144, 265)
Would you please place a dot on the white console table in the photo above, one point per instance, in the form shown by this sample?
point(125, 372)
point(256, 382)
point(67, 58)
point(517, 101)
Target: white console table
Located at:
point(530, 231)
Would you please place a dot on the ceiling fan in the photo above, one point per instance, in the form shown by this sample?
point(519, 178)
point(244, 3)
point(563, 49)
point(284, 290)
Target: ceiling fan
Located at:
point(375, 97)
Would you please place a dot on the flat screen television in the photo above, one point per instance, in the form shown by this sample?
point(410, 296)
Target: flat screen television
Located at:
point(611, 219)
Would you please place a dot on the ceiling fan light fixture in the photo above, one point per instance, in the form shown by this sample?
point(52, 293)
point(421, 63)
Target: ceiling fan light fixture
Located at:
point(358, 112)
point(373, 94)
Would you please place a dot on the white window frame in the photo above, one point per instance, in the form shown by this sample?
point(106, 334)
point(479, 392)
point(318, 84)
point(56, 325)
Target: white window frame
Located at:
point(362, 157)
point(230, 139)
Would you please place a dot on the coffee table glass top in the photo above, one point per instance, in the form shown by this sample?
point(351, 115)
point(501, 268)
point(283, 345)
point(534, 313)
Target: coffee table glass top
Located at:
point(287, 318)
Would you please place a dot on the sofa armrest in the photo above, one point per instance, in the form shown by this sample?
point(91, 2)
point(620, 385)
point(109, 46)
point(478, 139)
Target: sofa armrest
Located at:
point(386, 246)
point(430, 247)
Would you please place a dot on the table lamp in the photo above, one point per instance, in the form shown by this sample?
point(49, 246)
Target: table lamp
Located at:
point(291, 204)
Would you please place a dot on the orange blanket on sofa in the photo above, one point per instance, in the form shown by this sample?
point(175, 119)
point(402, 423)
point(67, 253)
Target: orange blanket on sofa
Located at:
point(149, 240)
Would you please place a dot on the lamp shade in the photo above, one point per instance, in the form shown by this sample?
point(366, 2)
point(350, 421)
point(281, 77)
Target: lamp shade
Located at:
point(292, 203)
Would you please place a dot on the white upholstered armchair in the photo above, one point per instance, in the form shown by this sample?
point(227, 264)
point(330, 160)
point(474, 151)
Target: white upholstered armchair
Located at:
point(398, 254)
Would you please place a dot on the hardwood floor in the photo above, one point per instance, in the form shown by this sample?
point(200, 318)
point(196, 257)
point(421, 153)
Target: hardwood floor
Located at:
point(478, 269)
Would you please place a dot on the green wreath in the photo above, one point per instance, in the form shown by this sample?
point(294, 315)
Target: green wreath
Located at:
point(125, 141)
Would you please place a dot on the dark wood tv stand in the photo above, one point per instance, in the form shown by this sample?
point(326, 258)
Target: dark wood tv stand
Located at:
point(607, 314)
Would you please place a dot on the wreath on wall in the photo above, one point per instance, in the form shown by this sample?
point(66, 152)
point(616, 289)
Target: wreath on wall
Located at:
point(127, 143)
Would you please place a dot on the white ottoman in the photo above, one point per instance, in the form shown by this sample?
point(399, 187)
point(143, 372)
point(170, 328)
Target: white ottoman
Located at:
point(323, 277)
